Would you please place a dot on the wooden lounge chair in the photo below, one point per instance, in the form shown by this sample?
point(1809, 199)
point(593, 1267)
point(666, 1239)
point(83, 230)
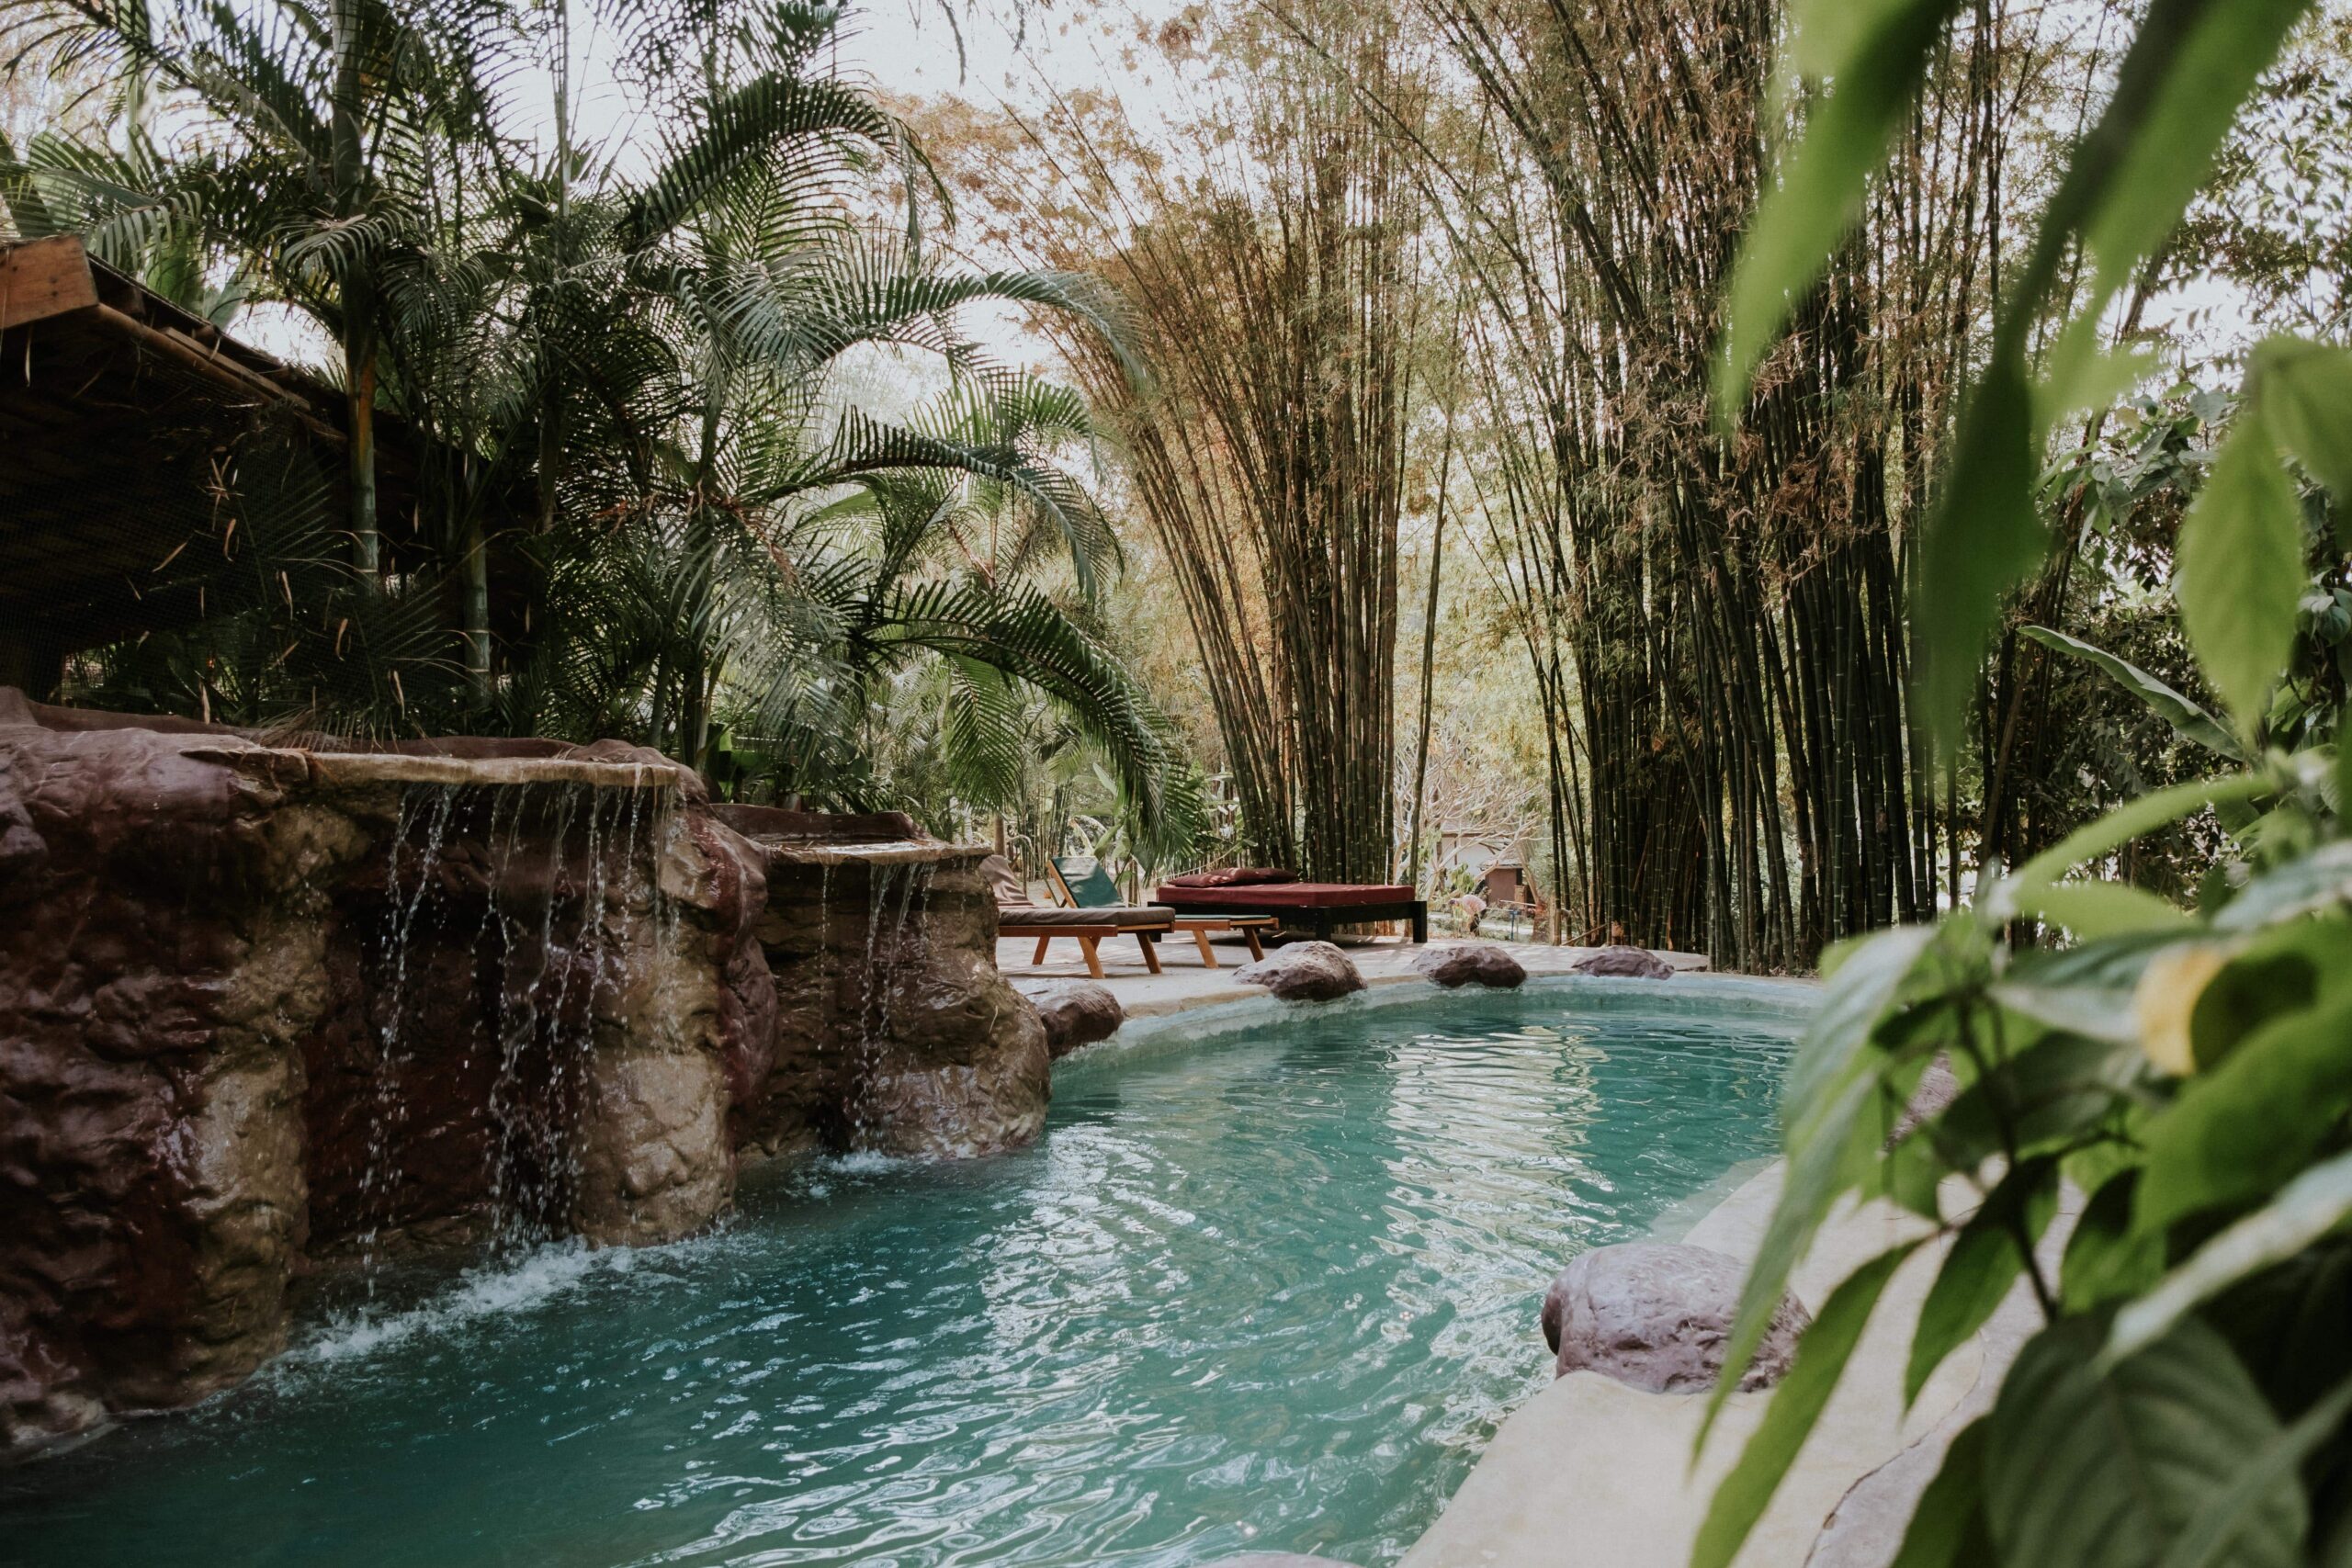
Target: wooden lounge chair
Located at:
point(1320, 906)
point(1088, 928)
point(1081, 883)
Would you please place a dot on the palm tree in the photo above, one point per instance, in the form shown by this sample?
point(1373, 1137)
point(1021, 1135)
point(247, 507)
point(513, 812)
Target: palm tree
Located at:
point(630, 390)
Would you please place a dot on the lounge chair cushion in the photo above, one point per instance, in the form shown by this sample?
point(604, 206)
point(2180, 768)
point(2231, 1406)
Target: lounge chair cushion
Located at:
point(1003, 881)
point(1284, 896)
point(1234, 876)
point(1126, 916)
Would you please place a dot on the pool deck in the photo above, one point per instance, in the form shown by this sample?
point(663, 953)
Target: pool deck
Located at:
point(1184, 984)
point(1590, 1473)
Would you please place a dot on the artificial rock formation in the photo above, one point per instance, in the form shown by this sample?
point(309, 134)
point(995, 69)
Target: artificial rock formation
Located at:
point(1482, 962)
point(263, 1006)
point(1303, 972)
point(1075, 1012)
point(1656, 1314)
point(1632, 962)
point(896, 1033)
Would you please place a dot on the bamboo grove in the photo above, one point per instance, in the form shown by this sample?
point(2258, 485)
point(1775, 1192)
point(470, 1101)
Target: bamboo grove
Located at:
point(1540, 204)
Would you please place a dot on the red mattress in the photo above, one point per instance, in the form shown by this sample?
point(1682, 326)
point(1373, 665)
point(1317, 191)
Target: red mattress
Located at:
point(1284, 896)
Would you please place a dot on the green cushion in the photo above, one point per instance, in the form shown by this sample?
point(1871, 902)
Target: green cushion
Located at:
point(1087, 882)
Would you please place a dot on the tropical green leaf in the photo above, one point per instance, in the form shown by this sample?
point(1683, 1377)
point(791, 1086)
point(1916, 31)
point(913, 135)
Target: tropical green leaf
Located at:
point(2249, 1125)
point(2190, 721)
point(1946, 1527)
point(1982, 537)
point(2240, 571)
point(2107, 1258)
point(1796, 1405)
point(1829, 1138)
point(2110, 1466)
point(2310, 883)
point(1984, 1262)
point(2239, 1523)
point(2095, 909)
point(2306, 1209)
point(2305, 392)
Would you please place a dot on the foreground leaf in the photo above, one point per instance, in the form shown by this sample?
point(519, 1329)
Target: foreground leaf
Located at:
point(2237, 1525)
point(2249, 1125)
point(2240, 573)
point(2305, 391)
point(1984, 1263)
point(2093, 910)
point(2305, 1209)
point(1947, 1528)
point(1797, 1403)
point(1981, 539)
point(1829, 1139)
point(2110, 1467)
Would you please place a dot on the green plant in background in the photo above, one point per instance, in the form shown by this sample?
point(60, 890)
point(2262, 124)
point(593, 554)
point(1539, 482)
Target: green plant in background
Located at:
point(2185, 1075)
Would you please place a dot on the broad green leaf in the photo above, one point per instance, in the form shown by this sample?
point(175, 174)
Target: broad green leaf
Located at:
point(2240, 574)
point(2305, 394)
point(2248, 1126)
point(2239, 1524)
point(1829, 1140)
point(2106, 1259)
point(1984, 1262)
point(1803, 217)
point(2319, 880)
point(2190, 66)
point(1946, 1527)
point(2187, 718)
point(1741, 1498)
point(1982, 536)
point(2305, 1209)
point(2131, 820)
point(2109, 1467)
point(2095, 909)
point(2047, 1094)
point(2093, 382)
point(1831, 35)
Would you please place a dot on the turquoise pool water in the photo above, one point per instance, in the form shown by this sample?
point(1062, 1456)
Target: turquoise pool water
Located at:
point(1267, 1289)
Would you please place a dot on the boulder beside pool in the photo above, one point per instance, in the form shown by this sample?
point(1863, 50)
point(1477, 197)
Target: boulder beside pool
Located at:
point(1481, 962)
point(1628, 963)
point(1656, 1314)
point(1075, 1012)
point(1303, 972)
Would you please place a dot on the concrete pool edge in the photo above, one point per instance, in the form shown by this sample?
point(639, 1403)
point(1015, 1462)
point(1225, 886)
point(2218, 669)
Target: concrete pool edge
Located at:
point(1592, 1473)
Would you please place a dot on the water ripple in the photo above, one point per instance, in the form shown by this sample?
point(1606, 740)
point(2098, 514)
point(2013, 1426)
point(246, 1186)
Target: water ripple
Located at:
point(1271, 1293)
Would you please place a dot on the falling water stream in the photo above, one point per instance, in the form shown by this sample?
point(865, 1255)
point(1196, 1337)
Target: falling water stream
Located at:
point(565, 869)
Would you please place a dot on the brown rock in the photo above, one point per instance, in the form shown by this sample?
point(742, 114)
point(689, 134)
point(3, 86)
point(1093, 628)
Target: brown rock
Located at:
point(1634, 962)
point(1075, 1012)
point(894, 1031)
point(1655, 1315)
point(1459, 965)
point(1303, 972)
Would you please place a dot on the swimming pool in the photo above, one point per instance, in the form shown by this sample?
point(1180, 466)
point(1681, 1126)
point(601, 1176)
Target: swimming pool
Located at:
point(1267, 1283)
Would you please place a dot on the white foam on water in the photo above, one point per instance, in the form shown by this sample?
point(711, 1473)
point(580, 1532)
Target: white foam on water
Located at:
point(485, 1293)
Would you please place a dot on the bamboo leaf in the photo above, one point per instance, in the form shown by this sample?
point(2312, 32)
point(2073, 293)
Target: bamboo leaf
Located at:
point(1882, 51)
point(2092, 911)
point(1741, 1498)
point(2240, 574)
point(2189, 720)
